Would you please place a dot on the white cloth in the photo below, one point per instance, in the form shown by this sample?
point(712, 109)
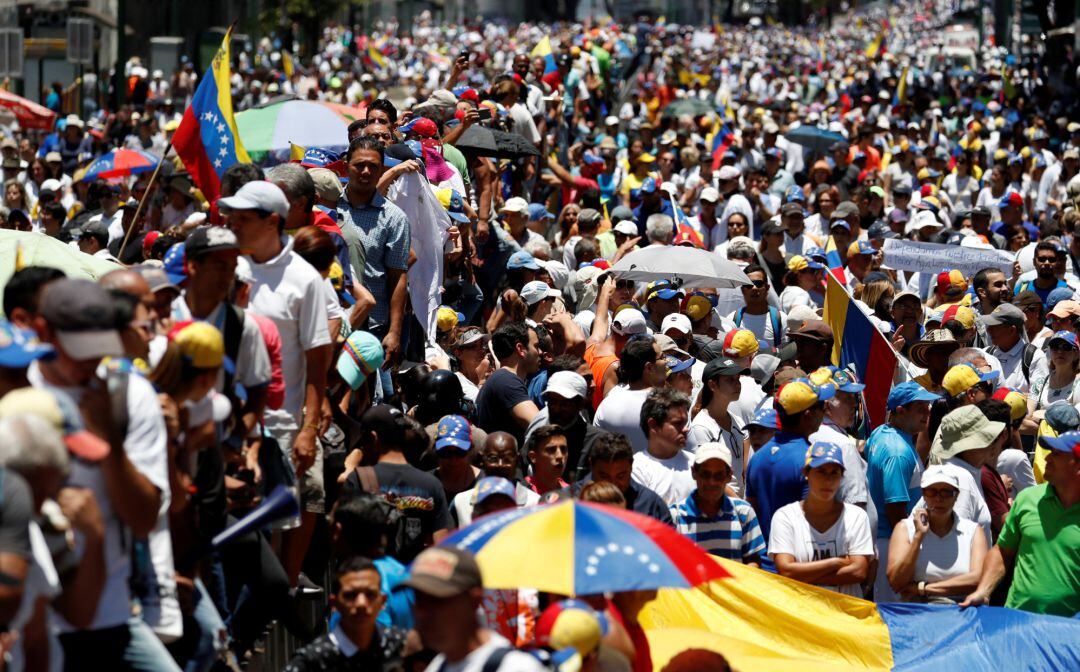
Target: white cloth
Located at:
point(428, 225)
point(761, 325)
point(1013, 370)
point(705, 429)
point(1015, 464)
point(669, 478)
point(853, 488)
point(746, 406)
point(252, 359)
point(793, 295)
point(942, 558)
point(620, 412)
point(792, 533)
point(42, 583)
point(515, 661)
point(289, 291)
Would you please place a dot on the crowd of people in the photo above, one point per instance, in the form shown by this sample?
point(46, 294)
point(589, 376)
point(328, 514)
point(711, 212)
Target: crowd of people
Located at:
point(272, 338)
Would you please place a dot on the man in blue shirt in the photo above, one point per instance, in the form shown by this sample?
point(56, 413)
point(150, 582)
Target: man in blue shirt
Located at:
point(775, 477)
point(894, 469)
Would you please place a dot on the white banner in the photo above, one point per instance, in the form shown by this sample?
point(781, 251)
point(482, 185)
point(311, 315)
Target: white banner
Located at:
point(910, 255)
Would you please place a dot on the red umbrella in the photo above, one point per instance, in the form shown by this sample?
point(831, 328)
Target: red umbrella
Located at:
point(29, 113)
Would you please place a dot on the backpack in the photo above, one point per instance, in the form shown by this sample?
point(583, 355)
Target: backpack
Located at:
point(395, 521)
point(1025, 360)
point(774, 317)
point(232, 332)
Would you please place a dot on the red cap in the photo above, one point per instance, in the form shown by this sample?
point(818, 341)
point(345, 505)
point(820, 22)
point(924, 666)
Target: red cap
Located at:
point(149, 240)
point(469, 94)
point(1013, 198)
point(926, 190)
point(425, 128)
point(951, 280)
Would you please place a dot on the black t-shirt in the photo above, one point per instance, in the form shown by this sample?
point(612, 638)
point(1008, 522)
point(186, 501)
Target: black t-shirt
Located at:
point(322, 655)
point(420, 499)
point(16, 511)
point(496, 401)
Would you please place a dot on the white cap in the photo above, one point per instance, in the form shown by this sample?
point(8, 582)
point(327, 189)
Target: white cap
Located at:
point(669, 188)
point(626, 227)
point(536, 291)
point(770, 127)
point(52, 185)
point(710, 194)
point(923, 218)
point(976, 242)
point(712, 451)
point(611, 120)
point(257, 195)
point(676, 321)
point(934, 474)
point(243, 271)
point(567, 385)
point(558, 271)
point(629, 322)
point(515, 204)
point(728, 173)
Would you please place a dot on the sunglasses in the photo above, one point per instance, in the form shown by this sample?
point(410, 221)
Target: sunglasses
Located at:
point(759, 284)
point(1062, 347)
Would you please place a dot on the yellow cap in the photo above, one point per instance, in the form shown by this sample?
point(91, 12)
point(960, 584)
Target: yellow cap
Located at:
point(800, 394)
point(697, 307)
point(446, 318)
point(963, 377)
point(200, 343)
point(740, 343)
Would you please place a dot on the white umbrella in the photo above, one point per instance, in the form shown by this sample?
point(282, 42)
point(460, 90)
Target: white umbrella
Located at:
point(685, 266)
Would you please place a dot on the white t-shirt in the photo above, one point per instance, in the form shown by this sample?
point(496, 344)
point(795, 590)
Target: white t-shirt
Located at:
point(668, 478)
point(793, 295)
point(1015, 464)
point(793, 534)
point(515, 661)
point(334, 311)
point(705, 429)
point(620, 411)
point(1012, 367)
point(252, 359)
point(942, 558)
point(762, 325)
point(746, 406)
point(468, 388)
point(289, 291)
point(145, 448)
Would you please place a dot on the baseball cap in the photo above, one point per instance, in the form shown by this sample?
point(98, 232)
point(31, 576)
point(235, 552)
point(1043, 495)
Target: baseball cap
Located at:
point(710, 194)
point(800, 394)
point(908, 392)
point(714, 450)
point(816, 330)
point(661, 289)
point(798, 263)
point(765, 418)
point(515, 204)
point(1011, 198)
point(571, 624)
point(361, 356)
point(626, 227)
point(842, 379)
point(1069, 442)
point(740, 343)
point(937, 474)
point(98, 228)
point(173, 264)
point(327, 183)
point(964, 428)
point(668, 346)
point(879, 230)
point(645, 157)
point(387, 421)
point(201, 344)
point(629, 322)
point(19, 347)
point(537, 212)
point(697, 307)
point(822, 453)
point(446, 318)
point(962, 314)
point(522, 259)
point(1066, 337)
point(1005, 314)
point(1056, 296)
point(453, 432)
point(677, 365)
point(963, 377)
point(207, 239)
point(443, 572)
point(861, 247)
point(155, 276)
point(922, 219)
point(536, 291)
point(951, 282)
point(770, 227)
point(59, 410)
point(422, 126)
point(566, 384)
point(835, 221)
point(728, 173)
point(1062, 417)
point(257, 195)
point(792, 208)
point(455, 207)
point(1016, 400)
point(722, 366)
point(1063, 308)
point(491, 486)
point(83, 316)
point(649, 185)
point(676, 321)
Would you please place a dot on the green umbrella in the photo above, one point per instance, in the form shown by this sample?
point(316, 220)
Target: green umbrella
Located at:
point(37, 249)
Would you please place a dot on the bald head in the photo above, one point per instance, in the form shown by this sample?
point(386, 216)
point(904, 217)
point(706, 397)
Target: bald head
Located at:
point(127, 281)
point(499, 455)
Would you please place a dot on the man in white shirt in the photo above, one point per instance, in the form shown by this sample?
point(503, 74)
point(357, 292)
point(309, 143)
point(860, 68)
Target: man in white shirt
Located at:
point(643, 366)
point(289, 292)
point(1021, 362)
point(792, 219)
point(665, 465)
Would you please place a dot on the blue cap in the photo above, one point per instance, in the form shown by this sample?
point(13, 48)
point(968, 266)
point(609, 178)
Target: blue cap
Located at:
point(19, 347)
point(774, 153)
point(1040, 161)
point(489, 486)
point(522, 259)
point(1058, 294)
point(676, 365)
point(1062, 417)
point(839, 222)
point(661, 289)
point(648, 186)
point(865, 247)
point(909, 392)
point(1069, 442)
point(456, 208)
point(766, 418)
point(822, 453)
point(794, 194)
point(844, 380)
point(453, 432)
point(537, 212)
point(1016, 159)
point(318, 157)
point(1066, 336)
point(816, 253)
point(174, 264)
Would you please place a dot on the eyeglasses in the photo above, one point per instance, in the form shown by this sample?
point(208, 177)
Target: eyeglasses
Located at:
point(940, 493)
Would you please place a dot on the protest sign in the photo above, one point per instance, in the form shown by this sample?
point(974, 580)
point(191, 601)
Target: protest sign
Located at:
point(910, 255)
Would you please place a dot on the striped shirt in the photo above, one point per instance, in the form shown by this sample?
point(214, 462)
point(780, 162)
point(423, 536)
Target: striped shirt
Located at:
point(378, 236)
point(733, 534)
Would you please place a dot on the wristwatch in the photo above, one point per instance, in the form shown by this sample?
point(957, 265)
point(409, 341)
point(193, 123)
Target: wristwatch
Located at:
point(922, 588)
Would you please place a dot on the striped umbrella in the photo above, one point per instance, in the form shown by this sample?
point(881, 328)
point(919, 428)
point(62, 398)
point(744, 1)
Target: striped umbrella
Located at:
point(582, 548)
point(269, 131)
point(120, 162)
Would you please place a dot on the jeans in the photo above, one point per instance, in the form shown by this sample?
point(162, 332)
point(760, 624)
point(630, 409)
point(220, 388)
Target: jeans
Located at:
point(212, 636)
point(132, 646)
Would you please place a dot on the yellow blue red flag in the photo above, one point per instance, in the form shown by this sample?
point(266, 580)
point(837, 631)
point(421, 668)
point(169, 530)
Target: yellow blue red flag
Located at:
point(207, 140)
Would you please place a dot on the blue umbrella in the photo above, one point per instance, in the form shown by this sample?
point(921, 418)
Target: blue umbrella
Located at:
point(120, 162)
point(817, 140)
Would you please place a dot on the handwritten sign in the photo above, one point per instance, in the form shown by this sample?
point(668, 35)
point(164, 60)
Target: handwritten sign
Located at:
point(910, 255)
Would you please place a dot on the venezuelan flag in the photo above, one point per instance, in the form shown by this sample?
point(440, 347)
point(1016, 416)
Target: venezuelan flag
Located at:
point(207, 140)
point(857, 341)
point(287, 65)
point(722, 139)
point(376, 56)
point(767, 623)
point(874, 47)
point(543, 49)
point(836, 264)
point(900, 97)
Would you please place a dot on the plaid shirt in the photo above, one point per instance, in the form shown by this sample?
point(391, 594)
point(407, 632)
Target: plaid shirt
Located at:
point(379, 239)
point(733, 534)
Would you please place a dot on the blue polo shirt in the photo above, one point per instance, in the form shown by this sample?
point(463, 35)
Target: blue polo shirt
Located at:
point(775, 477)
point(892, 464)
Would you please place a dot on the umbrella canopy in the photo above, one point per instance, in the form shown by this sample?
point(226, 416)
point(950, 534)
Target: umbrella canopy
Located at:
point(687, 266)
point(688, 106)
point(29, 113)
point(36, 249)
point(586, 549)
point(513, 146)
point(120, 162)
point(814, 138)
point(267, 131)
point(477, 139)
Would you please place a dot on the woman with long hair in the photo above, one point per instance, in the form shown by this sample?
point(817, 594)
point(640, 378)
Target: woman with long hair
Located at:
point(1062, 382)
point(877, 295)
point(802, 284)
point(15, 197)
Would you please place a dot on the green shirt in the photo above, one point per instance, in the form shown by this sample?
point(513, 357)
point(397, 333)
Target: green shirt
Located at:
point(1046, 539)
point(456, 159)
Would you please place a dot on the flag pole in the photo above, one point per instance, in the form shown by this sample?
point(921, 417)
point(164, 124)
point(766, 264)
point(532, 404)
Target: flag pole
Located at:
point(142, 201)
